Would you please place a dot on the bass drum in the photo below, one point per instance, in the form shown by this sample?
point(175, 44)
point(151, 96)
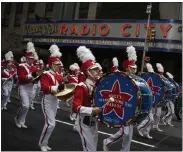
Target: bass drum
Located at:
point(158, 86)
point(124, 99)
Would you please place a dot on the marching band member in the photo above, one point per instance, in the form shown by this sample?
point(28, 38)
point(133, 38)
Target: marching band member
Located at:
point(7, 79)
point(60, 72)
point(157, 112)
point(125, 132)
point(41, 64)
point(170, 105)
point(145, 126)
point(115, 65)
point(14, 70)
point(51, 83)
point(35, 87)
point(86, 121)
point(26, 72)
point(73, 79)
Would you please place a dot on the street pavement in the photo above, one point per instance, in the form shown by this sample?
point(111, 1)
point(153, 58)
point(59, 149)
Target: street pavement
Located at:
point(65, 139)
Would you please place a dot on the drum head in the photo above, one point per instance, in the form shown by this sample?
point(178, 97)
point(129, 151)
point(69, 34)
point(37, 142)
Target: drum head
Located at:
point(156, 85)
point(118, 96)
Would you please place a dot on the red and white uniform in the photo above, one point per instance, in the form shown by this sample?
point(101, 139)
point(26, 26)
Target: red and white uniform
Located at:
point(87, 124)
point(49, 82)
point(25, 89)
point(81, 77)
point(7, 82)
point(72, 79)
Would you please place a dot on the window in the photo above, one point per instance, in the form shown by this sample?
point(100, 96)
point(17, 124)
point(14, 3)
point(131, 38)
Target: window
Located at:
point(6, 17)
point(18, 14)
point(31, 11)
point(49, 11)
point(83, 10)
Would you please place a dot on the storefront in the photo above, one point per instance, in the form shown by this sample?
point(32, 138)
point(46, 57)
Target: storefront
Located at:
point(109, 38)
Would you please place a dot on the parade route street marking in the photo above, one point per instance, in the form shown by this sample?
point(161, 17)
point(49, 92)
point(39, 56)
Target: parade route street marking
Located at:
point(138, 142)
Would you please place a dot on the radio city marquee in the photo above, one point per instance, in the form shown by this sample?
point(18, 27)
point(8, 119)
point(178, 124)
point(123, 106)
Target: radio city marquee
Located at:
point(118, 34)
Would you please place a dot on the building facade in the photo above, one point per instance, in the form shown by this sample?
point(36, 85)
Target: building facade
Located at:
point(14, 16)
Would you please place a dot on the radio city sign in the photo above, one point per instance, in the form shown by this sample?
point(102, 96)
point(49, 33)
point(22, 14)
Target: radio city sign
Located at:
point(121, 30)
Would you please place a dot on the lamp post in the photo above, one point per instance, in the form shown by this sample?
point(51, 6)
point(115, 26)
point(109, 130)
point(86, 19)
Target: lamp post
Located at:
point(148, 11)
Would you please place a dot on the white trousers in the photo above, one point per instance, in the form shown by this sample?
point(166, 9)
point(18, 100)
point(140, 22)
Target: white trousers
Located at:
point(34, 92)
point(88, 134)
point(126, 133)
point(49, 108)
point(146, 124)
point(170, 113)
point(157, 115)
point(6, 92)
point(25, 92)
point(10, 89)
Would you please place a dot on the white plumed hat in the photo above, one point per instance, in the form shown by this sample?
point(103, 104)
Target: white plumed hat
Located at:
point(86, 57)
point(160, 67)
point(149, 67)
point(115, 61)
point(169, 75)
point(55, 55)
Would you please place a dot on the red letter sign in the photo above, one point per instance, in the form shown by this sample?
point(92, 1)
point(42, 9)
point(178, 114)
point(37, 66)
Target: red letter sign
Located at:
point(165, 30)
point(74, 30)
point(125, 34)
point(85, 29)
point(102, 32)
point(63, 29)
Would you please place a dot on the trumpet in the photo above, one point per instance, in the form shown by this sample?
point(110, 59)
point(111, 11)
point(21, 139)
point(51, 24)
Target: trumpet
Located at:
point(38, 74)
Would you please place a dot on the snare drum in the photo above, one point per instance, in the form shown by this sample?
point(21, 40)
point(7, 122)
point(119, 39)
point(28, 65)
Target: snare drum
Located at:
point(124, 99)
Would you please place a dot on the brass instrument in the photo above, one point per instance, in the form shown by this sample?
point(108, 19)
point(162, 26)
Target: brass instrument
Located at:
point(67, 93)
point(38, 74)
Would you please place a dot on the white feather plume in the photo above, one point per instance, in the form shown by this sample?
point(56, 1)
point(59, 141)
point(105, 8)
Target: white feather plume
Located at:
point(55, 51)
point(149, 67)
point(7, 57)
point(77, 65)
point(100, 67)
point(84, 54)
point(23, 59)
point(11, 54)
point(41, 61)
point(131, 53)
point(73, 67)
point(36, 56)
point(159, 67)
point(115, 61)
point(30, 44)
point(169, 75)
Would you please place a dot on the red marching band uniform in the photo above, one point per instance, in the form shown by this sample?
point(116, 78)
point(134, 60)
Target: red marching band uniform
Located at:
point(51, 82)
point(8, 74)
point(86, 122)
point(26, 71)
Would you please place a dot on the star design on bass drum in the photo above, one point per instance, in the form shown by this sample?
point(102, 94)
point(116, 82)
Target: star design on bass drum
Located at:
point(154, 88)
point(119, 99)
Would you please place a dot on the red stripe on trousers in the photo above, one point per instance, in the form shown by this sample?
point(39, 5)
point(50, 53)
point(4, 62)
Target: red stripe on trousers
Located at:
point(46, 118)
point(82, 133)
point(116, 138)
